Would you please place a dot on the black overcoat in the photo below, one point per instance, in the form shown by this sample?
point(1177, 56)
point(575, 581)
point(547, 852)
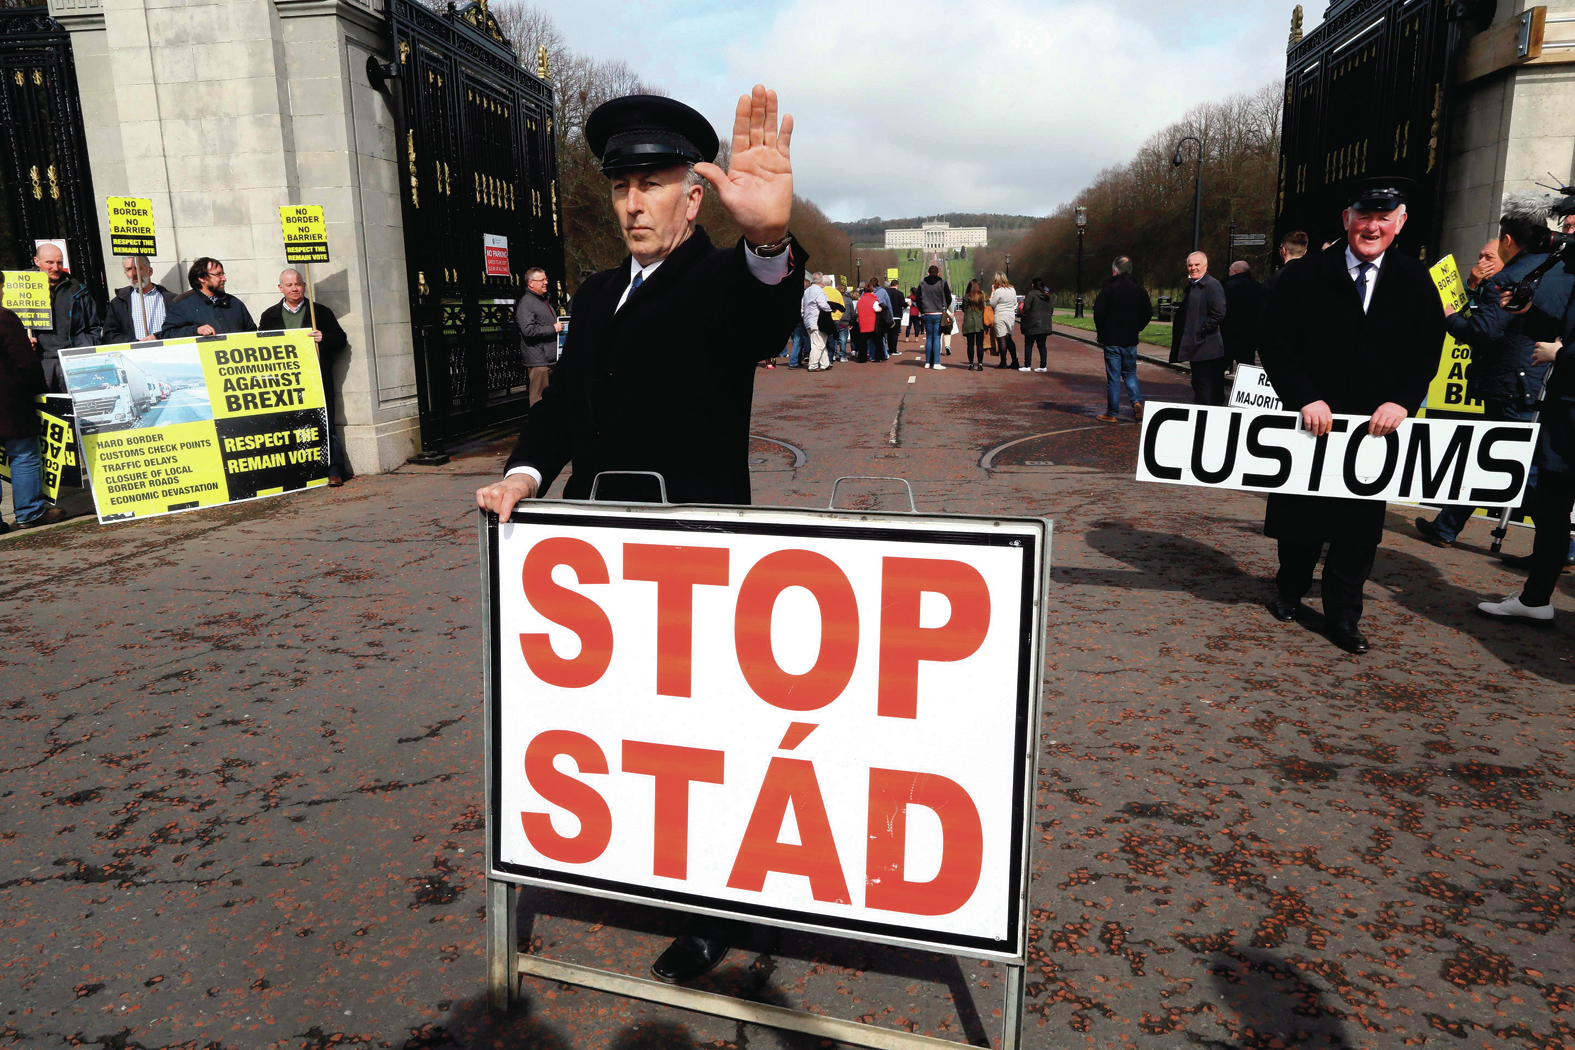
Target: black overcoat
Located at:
point(21, 376)
point(666, 383)
point(1319, 346)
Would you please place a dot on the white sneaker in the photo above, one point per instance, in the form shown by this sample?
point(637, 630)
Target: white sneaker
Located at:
point(1025, 369)
point(928, 365)
point(1511, 608)
point(939, 368)
point(1041, 370)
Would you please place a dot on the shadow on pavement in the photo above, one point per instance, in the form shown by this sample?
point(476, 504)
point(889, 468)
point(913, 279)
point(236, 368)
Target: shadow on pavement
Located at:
point(1274, 1005)
point(1166, 562)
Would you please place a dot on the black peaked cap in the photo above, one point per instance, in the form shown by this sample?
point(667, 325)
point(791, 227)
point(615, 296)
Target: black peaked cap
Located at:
point(649, 131)
point(1379, 193)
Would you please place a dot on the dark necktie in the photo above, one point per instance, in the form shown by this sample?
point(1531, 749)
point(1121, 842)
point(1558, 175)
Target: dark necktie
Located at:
point(639, 279)
point(1362, 270)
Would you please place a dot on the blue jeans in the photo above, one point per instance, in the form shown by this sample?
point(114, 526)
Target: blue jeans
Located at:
point(932, 339)
point(800, 346)
point(27, 483)
point(1120, 367)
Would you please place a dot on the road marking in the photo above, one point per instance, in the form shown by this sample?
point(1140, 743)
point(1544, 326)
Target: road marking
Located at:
point(988, 460)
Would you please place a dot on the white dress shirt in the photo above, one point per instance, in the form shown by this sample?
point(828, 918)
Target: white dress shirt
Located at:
point(772, 270)
point(1353, 266)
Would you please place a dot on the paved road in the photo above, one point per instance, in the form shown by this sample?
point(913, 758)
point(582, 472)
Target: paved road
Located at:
point(190, 405)
point(242, 756)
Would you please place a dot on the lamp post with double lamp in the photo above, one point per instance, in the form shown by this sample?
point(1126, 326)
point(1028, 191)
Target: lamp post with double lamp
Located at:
point(858, 272)
point(1082, 224)
point(1197, 188)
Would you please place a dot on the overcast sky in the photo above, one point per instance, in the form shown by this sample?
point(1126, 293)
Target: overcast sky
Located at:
point(908, 107)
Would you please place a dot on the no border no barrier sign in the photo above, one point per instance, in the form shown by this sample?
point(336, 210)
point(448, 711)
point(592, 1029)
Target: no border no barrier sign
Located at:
point(810, 719)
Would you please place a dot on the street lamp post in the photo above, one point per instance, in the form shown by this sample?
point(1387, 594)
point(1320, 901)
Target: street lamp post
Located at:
point(1008, 267)
point(859, 272)
point(1082, 224)
point(1197, 188)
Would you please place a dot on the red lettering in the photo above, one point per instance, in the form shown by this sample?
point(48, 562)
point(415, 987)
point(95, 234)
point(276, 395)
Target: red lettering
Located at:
point(892, 791)
point(569, 609)
point(790, 780)
point(576, 796)
point(675, 571)
point(903, 643)
point(673, 767)
point(839, 630)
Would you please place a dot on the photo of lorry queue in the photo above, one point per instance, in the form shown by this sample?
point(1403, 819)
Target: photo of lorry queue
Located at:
point(117, 390)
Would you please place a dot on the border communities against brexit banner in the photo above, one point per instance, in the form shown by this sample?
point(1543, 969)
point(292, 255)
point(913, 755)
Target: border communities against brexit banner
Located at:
point(178, 424)
point(1424, 461)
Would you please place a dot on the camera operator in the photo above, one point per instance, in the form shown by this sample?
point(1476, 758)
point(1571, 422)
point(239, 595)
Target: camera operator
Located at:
point(1502, 373)
point(1553, 498)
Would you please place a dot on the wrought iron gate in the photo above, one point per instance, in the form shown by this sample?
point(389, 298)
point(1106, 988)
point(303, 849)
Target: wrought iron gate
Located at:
point(46, 191)
point(477, 157)
point(1366, 93)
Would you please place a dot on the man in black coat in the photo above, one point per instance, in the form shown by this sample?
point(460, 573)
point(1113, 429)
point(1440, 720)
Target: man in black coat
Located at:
point(1122, 310)
point(1354, 329)
point(207, 309)
point(1244, 298)
point(137, 311)
point(1195, 336)
point(676, 299)
point(294, 310)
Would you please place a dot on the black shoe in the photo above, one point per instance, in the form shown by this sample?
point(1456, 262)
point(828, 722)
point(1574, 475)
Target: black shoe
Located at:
point(49, 517)
point(1431, 534)
point(687, 958)
point(1284, 610)
point(1347, 637)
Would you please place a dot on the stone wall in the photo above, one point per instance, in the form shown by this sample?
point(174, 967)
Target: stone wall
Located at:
point(1508, 131)
point(221, 111)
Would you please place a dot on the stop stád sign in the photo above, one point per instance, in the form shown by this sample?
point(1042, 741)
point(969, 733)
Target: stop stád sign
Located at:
point(818, 720)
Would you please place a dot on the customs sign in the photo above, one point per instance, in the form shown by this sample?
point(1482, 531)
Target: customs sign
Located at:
point(179, 424)
point(815, 720)
point(130, 226)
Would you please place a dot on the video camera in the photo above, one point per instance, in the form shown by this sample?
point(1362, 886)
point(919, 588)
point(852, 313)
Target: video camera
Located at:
point(1558, 245)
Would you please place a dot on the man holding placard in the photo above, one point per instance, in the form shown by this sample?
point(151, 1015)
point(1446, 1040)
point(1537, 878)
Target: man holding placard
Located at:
point(295, 310)
point(1353, 330)
point(137, 311)
point(75, 314)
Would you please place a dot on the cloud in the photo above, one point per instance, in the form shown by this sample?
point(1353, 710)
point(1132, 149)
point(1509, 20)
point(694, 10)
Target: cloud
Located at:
point(907, 108)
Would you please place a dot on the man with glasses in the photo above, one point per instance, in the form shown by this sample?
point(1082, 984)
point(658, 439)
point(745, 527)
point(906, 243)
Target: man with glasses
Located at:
point(207, 309)
point(539, 327)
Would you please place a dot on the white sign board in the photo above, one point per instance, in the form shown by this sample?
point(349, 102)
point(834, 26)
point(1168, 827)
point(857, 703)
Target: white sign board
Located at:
point(816, 720)
point(1450, 461)
point(1253, 390)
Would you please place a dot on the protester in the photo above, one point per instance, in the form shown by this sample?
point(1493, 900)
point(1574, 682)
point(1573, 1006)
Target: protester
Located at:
point(1503, 373)
point(123, 321)
point(539, 327)
point(599, 412)
point(76, 315)
point(1488, 263)
point(800, 340)
point(973, 325)
point(1195, 335)
point(1240, 329)
point(915, 319)
point(839, 314)
point(899, 306)
point(815, 310)
point(207, 309)
point(1341, 338)
point(21, 377)
point(294, 310)
point(869, 312)
point(1121, 310)
point(1036, 322)
point(934, 301)
point(1003, 301)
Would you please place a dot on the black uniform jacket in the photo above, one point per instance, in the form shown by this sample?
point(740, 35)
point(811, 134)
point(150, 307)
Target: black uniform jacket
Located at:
point(1319, 346)
point(666, 383)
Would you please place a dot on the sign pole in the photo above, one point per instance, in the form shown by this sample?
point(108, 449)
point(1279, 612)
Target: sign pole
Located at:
point(142, 299)
point(311, 306)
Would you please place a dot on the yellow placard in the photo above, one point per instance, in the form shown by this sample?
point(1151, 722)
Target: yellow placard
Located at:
point(891, 273)
point(187, 423)
point(27, 296)
point(1447, 392)
point(305, 233)
point(130, 226)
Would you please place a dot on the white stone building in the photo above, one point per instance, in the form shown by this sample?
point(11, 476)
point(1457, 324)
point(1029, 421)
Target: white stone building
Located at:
point(938, 237)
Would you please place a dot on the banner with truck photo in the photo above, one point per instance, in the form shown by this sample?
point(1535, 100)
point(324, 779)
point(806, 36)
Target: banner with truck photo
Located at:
point(1260, 450)
point(178, 424)
point(59, 465)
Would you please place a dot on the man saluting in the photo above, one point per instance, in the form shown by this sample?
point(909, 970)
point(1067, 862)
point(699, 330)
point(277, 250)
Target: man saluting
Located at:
point(676, 301)
point(617, 402)
point(1354, 330)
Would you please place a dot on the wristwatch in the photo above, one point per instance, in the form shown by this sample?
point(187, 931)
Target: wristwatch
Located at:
point(772, 250)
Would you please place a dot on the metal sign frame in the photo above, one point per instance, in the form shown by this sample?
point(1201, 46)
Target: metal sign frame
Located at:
point(506, 965)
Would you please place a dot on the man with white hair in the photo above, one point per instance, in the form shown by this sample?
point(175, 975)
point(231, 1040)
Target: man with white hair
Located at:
point(1195, 336)
point(294, 310)
point(810, 307)
point(1354, 329)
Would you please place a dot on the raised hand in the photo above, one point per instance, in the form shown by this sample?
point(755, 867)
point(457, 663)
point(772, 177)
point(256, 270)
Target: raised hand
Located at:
point(757, 189)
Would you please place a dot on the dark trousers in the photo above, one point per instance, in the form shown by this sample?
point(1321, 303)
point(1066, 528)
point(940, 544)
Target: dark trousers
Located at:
point(1344, 572)
point(1008, 349)
point(1208, 382)
point(975, 341)
point(1031, 341)
point(1551, 504)
point(891, 338)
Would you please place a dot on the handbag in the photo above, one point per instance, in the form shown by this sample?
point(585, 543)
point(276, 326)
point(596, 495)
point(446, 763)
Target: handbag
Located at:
point(989, 316)
point(946, 324)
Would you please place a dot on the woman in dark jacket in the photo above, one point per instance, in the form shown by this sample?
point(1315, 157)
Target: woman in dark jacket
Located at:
point(21, 376)
point(1038, 309)
point(973, 324)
